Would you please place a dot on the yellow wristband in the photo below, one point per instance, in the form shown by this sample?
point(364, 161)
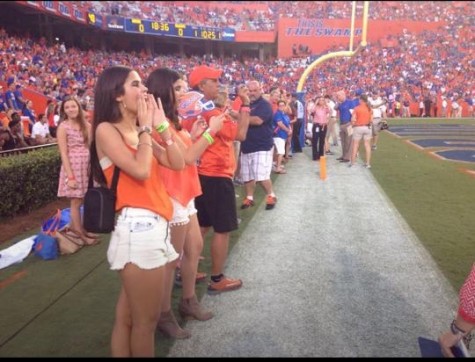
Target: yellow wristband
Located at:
point(162, 127)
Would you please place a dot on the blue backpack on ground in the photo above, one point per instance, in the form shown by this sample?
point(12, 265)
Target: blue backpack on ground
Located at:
point(46, 245)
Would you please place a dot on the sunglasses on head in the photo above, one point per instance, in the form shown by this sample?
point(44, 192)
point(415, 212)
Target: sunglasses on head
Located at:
point(207, 106)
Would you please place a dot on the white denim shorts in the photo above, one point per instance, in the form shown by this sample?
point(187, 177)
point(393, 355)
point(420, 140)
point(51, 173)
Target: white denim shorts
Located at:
point(181, 214)
point(141, 237)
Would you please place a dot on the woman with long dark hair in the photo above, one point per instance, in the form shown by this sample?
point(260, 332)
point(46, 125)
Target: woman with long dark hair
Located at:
point(182, 186)
point(125, 119)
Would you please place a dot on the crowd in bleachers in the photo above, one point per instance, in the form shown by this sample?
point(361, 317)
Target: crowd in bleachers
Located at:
point(207, 13)
point(437, 62)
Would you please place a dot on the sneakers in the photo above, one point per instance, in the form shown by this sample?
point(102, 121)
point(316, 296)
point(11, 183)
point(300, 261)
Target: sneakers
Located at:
point(199, 278)
point(270, 202)
point(246, 203)
point(373, 147)
point(367, 166)
point(224, 285)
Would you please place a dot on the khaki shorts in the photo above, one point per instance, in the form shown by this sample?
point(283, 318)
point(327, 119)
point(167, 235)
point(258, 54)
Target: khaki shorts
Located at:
point(376, 127)
point(360, 132)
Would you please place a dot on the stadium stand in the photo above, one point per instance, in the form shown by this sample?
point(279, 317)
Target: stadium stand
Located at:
point(404, 65)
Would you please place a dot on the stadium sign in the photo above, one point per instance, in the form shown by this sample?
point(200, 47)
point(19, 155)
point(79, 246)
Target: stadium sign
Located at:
point(115, 23)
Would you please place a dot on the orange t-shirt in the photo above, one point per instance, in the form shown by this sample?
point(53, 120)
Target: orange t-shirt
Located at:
point(218, 159)
point(148, 194)
point(362, 115)
point(182, 185)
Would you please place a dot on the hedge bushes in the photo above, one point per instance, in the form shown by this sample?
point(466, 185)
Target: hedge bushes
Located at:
point(29, 180)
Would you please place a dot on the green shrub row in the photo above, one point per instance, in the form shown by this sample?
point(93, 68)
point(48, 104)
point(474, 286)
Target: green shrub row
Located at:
point(28, 180)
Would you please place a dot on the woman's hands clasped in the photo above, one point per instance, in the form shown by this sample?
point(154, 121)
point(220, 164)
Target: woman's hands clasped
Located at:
point(149, 111)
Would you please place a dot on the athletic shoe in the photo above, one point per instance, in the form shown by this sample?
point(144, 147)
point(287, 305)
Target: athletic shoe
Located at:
point(374, 148)
point(246, 203)
point(367, 166)
point(270, 202)
point(224, 285)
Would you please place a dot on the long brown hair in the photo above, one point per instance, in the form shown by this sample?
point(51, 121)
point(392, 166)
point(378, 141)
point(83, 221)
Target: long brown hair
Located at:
point(160, 84)
point(109, 86)
point(80, 118)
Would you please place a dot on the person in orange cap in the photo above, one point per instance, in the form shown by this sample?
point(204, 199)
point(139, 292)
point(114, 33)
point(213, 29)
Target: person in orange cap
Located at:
point(217, 204)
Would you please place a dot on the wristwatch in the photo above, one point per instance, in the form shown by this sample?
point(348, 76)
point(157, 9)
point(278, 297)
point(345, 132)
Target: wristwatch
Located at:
point(146, 129)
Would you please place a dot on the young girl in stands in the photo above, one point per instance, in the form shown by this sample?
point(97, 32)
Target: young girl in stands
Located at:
point(125, 118)
point(182, 186)
point(74, 134)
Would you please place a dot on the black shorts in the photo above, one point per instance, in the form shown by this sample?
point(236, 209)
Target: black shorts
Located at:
point(217, 205)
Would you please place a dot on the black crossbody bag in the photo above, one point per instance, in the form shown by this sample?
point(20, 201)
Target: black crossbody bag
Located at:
point(99, 206)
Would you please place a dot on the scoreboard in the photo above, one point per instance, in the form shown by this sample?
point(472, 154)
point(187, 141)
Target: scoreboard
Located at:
point(151, 27)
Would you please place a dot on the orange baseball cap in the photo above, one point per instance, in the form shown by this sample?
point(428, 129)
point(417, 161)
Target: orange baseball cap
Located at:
point(203, 72)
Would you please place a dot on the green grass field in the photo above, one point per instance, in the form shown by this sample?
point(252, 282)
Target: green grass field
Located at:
point(73, 298)
point(435, 197)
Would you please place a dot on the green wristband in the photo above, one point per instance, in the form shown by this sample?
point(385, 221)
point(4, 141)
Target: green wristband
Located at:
point(208, 137)
point(162, 127)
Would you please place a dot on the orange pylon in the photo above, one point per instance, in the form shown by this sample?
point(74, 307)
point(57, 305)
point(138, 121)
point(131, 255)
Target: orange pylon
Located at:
point(323, 168)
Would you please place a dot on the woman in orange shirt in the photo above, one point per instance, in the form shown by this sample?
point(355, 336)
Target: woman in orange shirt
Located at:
point(361, 120)
point(182, 186)
point(125, 118)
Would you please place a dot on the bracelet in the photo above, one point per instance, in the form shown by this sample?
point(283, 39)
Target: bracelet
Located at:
point(208, 137)
point(456, 330)
point(144, 143)
point(211, 132)
point(162, 127)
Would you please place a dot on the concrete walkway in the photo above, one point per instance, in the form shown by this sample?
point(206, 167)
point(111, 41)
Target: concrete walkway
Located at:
point(332, 271)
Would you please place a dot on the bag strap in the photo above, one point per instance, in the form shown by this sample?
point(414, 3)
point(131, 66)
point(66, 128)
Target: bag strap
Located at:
point(54, 224)
point(115, 177)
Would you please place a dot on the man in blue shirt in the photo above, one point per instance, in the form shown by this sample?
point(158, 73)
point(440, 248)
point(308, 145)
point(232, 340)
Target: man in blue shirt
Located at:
point(257, 150)
point(345, 108)
point(3, 105)
point(10, 96)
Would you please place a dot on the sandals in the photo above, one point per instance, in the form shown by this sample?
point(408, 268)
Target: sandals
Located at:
point(87, 238)
point(281, 171)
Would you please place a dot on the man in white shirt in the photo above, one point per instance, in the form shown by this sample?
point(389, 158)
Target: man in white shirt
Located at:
point(332, 125)
point(40, 132)
point(377, 104)
point(444, 107)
